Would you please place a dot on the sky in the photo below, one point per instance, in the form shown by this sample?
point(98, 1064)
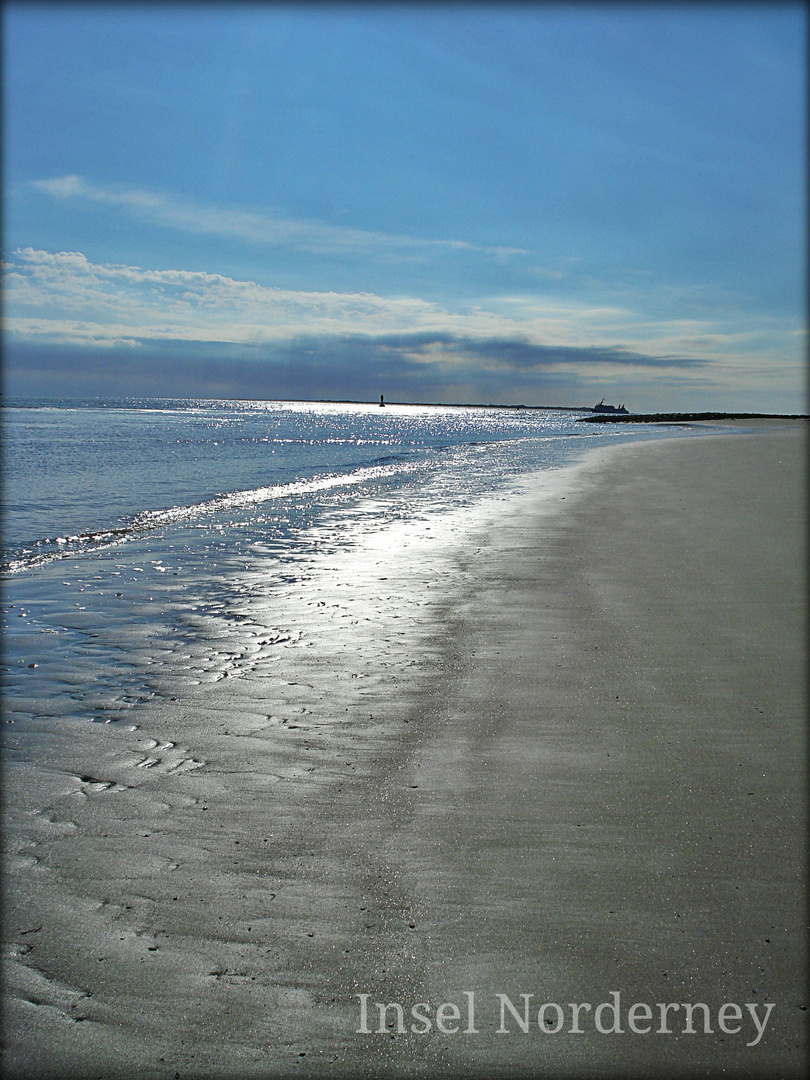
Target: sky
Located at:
point(540, 204)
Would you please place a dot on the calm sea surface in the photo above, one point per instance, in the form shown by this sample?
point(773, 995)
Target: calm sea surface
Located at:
point(129, 528)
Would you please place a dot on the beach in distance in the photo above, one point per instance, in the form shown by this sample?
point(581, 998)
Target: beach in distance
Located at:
point(446, 749)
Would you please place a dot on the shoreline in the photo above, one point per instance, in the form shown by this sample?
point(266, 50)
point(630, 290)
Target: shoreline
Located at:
point(525, 833)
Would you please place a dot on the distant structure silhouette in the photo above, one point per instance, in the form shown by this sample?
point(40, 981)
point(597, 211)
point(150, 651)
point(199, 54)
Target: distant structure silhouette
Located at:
point(382, 401)
point(601, 407)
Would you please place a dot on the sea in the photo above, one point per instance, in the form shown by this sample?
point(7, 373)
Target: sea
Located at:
point(150, 546)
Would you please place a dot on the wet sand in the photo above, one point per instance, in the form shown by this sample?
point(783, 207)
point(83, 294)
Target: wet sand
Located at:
point(591, 781)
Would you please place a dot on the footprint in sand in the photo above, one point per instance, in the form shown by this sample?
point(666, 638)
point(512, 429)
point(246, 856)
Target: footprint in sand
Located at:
point(91, 785)
point(37, 989)
point(153, 744)
point(164, 757)
point(21, 860)
point(51, 825)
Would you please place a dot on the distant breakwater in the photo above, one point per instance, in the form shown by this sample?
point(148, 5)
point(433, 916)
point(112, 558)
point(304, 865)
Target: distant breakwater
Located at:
point(663, 418)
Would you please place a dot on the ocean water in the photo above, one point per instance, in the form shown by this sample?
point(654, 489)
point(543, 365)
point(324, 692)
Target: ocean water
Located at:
point(151, 547)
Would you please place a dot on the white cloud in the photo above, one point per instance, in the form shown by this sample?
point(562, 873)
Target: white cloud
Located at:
point(745, 333)
point(76, 294)
point(189, 305)
point(64, 298)
point(254, 225)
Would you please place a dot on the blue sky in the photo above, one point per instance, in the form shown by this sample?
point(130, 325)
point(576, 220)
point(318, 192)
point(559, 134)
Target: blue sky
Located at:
point(543, 203)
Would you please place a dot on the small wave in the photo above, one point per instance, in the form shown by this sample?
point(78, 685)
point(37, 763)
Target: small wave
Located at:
point(62, 547)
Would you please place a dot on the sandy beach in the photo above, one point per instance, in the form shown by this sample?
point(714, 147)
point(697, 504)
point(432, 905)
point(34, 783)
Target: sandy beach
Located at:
point(576, 776)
